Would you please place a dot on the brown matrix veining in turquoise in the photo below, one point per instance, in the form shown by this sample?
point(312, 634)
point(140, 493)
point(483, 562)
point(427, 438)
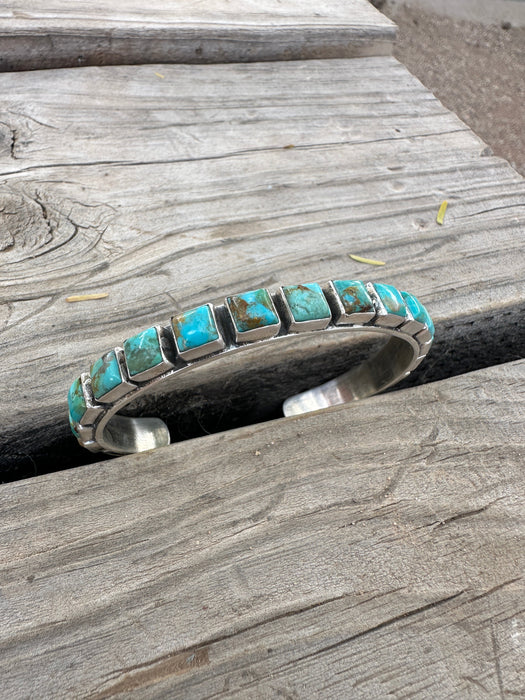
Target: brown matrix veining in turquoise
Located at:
point(354, 297)
point(252, 310)
point(105, 374)
point(307, 302)
point(77, 404)
point(194, 328)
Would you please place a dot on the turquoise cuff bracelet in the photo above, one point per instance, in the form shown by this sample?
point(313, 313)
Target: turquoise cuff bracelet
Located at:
point(157, 359)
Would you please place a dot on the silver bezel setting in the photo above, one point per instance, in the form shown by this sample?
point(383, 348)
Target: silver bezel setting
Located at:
point(411, 325)
point(293, 326)
point(384, 319)
point(425, 336)
point(341, 318)
point(254, 334)
point(93, 407)
point(125, 387)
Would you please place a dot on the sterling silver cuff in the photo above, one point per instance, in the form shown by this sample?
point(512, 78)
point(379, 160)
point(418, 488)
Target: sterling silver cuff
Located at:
point(159, 359)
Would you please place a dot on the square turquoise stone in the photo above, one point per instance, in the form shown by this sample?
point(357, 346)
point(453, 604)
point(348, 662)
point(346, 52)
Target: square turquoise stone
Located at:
point(252, 310)
point(143, 351)
point(77, 404)
point(105, 375)
point(391, 299)
point(307, 302)
point(194, 328)
point(354, 297)
point(418, 311)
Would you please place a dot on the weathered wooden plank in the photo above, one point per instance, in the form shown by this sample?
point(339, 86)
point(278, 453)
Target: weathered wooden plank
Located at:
point(39, 34)
point(373, 550)
point(184, 190)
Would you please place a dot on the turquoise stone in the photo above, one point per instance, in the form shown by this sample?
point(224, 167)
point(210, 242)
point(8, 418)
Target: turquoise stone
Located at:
point(430, 324)
point(252, 310)
point(105, 374)
point(307, 302)
point(418, 311)
point(391, 298)
point(194, 328)
point(77, 405)
point(73, 427)
point(354, 297)
point(142, 351)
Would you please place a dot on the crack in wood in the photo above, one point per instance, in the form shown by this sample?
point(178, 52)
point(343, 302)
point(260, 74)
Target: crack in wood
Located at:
point(222, 156)
point(497, 663)
point(463, 514)
point(14, 138)
point(493, 590)
point(187, 659)
point(382, 625)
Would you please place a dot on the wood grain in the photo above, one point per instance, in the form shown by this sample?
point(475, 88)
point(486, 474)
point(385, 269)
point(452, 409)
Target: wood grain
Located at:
point(374, 550)
point(40, 34)
point(184, 190)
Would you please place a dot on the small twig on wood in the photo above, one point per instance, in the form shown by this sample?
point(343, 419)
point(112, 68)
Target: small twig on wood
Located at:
point(366, 261)
point(441, 213)
point(86, 297)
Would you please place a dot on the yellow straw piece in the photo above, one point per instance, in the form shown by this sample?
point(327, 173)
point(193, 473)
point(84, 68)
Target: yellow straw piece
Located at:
point(86, 297)
point(441, 213)
point(366, 261)
point(159, 75)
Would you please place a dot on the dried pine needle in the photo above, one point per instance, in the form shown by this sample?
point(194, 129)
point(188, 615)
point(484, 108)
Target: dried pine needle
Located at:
point(159, 75)
point(366, 261)
point(441, 213)
point(86, 297)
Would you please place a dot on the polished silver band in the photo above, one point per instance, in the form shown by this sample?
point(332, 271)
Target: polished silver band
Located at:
point(164, 358)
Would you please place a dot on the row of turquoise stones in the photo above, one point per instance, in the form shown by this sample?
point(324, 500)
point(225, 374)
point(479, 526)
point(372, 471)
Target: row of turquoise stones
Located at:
point(250, 310)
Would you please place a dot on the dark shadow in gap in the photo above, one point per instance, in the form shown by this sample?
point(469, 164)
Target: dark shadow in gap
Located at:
point(461, 346)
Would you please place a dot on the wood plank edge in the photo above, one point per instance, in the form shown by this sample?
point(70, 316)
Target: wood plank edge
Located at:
point(58, 49)
point(263, 430)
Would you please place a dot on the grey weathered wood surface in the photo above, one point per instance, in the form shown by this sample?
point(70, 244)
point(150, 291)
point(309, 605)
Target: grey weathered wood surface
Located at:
point(373, 550)
point(170, 192)
point(39, 34)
